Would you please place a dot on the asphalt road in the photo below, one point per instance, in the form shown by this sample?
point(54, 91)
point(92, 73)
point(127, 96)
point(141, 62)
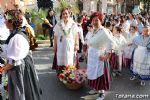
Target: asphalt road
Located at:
point(121, 87)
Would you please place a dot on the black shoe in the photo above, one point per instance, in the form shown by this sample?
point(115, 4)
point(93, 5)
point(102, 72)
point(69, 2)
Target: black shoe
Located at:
point(101, 96)
point(118, 73)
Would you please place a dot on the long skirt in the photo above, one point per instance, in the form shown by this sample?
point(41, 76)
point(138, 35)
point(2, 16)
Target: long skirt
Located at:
point(114, 62)
point(102, 82)
point(23, 83)
point(141, 63)
point(127, 62)
point(56, 67)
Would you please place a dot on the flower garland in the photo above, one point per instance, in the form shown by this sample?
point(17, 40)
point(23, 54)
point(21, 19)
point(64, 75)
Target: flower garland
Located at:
point(66, 33)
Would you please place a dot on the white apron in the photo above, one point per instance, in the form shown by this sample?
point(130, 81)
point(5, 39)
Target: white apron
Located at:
point(128, 52)
point(95, 67)
point(66, 43)
point(141, 63)
point(65, 52)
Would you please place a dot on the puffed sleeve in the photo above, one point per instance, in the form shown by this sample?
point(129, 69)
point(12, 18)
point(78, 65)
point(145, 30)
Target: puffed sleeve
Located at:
point(101, 39)
point(17, 48)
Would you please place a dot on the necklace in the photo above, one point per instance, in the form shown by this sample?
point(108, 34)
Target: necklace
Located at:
point(96, 31)
point(65, 33)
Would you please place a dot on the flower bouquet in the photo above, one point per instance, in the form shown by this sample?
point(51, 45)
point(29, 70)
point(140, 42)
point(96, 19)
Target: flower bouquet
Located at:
point(3, 85)
point(73, 78)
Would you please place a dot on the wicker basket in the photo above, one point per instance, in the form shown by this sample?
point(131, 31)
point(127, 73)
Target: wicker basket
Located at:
point(73, 86)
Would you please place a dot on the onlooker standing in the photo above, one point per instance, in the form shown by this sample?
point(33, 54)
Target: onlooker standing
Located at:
point(81, 38)
point(52, 22)
point(49, 24)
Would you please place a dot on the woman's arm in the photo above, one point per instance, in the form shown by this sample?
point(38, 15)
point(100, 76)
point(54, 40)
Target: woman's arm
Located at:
point(7, 67)
point(16, 51)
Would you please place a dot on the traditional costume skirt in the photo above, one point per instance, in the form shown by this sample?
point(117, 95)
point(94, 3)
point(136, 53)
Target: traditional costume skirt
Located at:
point(102, 82)
point(97, 71)
point(114, 62)
point(127, 55)
point(141, 63)
point(127, 62)
point(23, 83)
point(60, 68)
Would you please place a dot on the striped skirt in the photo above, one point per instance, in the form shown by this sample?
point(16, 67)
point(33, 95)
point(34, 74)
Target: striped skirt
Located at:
point(114, 62)
point(102, 82)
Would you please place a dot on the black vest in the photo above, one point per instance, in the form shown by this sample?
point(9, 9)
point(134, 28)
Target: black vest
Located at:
point(17, 31)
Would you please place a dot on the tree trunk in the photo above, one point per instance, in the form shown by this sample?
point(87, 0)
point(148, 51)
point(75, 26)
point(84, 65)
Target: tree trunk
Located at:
point(148, 6)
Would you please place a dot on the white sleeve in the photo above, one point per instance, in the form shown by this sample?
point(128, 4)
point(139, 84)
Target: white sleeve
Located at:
point(101, 39)
point(17, 48)
point(124, 43)
point(75, 29)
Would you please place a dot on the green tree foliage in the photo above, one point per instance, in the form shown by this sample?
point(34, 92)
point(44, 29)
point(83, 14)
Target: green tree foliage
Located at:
point(65, 3)
point(146, 5)
point(144, 1)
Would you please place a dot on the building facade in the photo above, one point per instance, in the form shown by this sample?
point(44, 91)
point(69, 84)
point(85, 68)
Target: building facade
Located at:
point(105, 6)
point(127, 6)
point(24, 4)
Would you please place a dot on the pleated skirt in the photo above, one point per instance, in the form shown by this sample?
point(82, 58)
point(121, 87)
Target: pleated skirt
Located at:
point(102, 82)
point(23, 83)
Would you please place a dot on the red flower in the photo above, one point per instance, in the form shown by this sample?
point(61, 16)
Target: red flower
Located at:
point(61, 76)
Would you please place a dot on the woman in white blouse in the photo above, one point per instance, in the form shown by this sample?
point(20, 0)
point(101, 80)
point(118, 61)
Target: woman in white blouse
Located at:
point(65, 42)
point(22, 78)
point(97, 64)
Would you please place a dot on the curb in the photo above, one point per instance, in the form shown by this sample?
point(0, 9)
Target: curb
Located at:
point(43, 41)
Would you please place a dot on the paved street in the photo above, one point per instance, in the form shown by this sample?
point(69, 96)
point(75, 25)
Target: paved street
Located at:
point(55, 90)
